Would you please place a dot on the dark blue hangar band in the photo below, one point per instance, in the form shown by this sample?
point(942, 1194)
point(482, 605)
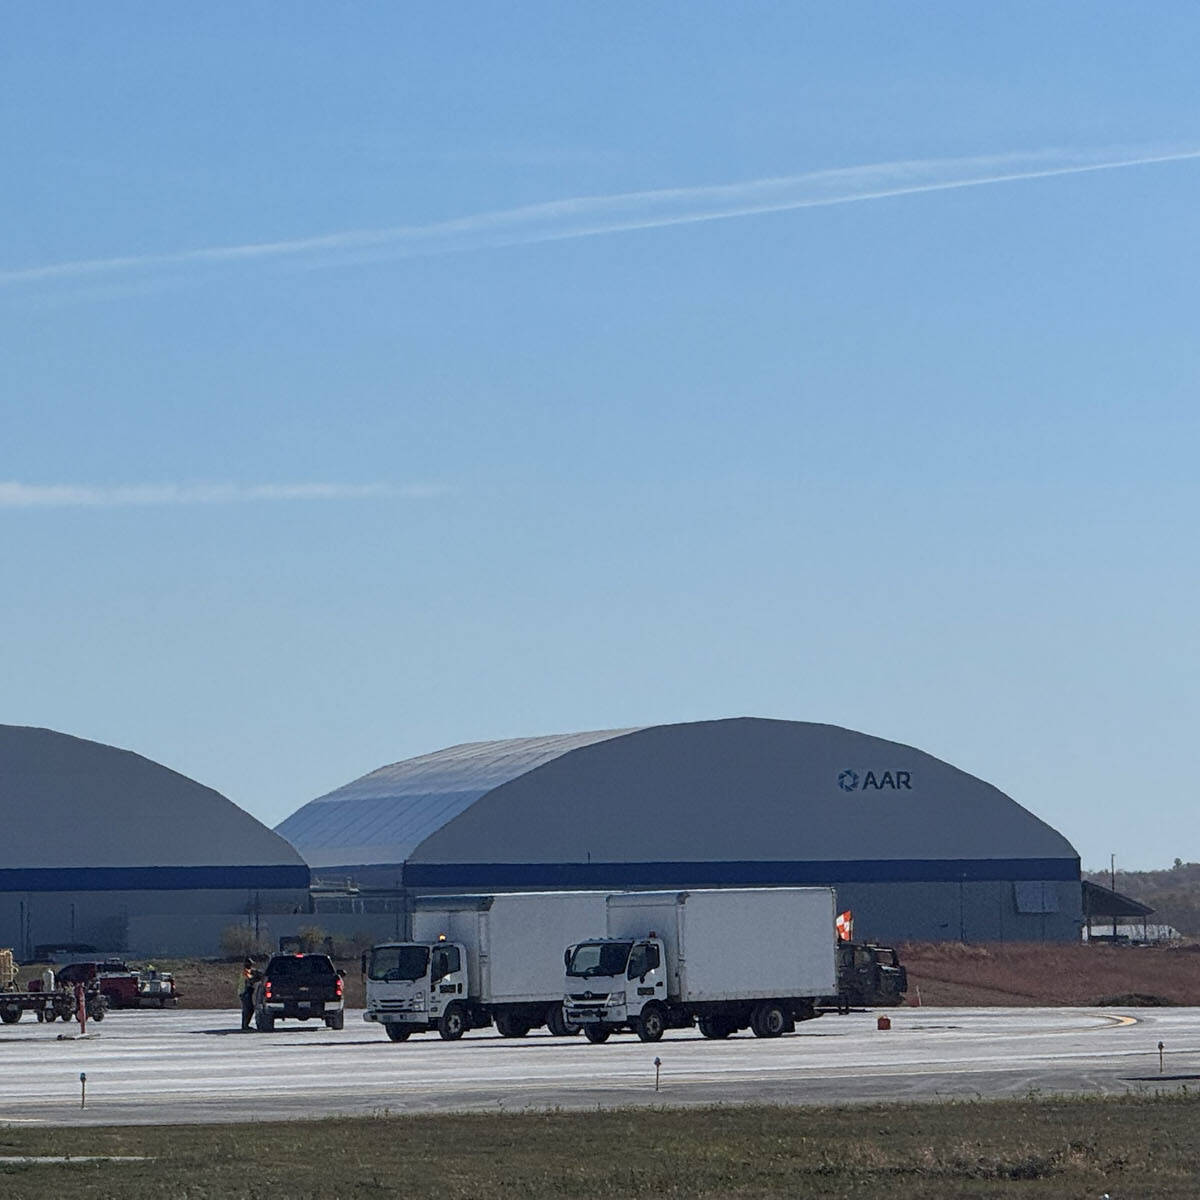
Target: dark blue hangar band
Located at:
point(737, 874)
point(157, 879)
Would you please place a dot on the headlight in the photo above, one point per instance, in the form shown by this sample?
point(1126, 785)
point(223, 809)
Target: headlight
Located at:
point(615, 998)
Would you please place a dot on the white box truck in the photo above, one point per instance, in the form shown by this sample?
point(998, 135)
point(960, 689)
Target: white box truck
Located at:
point(473, 960)
point(729, 959)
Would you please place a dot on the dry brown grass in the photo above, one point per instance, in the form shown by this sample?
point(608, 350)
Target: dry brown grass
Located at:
point(1048, 973)
point(206, 984)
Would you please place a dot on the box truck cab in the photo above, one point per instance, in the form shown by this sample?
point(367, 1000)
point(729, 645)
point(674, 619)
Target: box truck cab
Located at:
point(417, 986)
point(475, 960)
point(618, 983)
point(726, 959)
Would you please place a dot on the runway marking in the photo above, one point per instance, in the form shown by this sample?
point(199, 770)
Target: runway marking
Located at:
point(25, 1160)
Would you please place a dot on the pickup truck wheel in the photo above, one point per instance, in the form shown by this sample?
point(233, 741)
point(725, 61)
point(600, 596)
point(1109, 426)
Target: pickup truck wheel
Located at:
point(398, 1033)
point(509, 1026)
point(336, 1020)
point(652, 1023)
point(596, 1034)
point(768, 1020)
point(263, 1021)
point(452, 1024)
point(557, 1023)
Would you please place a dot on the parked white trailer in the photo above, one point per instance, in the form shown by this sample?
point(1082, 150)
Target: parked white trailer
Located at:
point(729, 959)
point(473, 960)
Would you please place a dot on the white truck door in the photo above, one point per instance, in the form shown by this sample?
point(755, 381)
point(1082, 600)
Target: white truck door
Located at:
point(645, 977)
point(447, 976)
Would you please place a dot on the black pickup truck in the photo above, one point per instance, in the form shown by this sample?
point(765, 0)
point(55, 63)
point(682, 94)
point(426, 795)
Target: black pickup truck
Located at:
point(299, 986)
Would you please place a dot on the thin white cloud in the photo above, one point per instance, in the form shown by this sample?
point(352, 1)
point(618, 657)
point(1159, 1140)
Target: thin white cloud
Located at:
point(74, 495)
point(590, 216)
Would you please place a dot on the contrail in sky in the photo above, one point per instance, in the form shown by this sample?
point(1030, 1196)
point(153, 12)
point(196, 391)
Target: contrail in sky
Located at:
point(75, 495)
point(590, 216)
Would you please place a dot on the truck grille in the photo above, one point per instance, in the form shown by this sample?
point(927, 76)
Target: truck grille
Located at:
point(395, 1006)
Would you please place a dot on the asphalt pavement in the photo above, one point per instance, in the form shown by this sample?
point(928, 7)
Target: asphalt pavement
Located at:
point(154, 1067)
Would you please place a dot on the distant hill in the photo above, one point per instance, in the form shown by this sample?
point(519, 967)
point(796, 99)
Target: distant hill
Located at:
point(1174, 893)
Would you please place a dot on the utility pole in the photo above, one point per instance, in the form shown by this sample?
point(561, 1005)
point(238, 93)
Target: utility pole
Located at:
point(1112, 877)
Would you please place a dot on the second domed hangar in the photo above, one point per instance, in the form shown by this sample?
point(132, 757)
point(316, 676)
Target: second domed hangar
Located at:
point(917, 848)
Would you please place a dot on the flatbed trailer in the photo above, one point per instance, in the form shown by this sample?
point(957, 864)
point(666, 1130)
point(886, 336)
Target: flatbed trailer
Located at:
point(59, 1004)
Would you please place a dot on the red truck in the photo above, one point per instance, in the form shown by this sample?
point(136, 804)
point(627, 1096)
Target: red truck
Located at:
point(124, 986)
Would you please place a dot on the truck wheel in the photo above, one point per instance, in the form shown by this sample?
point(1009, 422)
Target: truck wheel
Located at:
point(336, 1020)
point(50, 1014)
point(398, 1033)
point(452, 1024)
point(557, 1023)
point(768, 1019)
point(10, 1016)
point(97, 1013)
point(596, 1034)
point(263, 1021)
point(510, 1026)
point(715, 1027)
point(652, 1023)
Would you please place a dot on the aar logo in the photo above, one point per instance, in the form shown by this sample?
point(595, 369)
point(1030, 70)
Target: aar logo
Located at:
point(848, 781)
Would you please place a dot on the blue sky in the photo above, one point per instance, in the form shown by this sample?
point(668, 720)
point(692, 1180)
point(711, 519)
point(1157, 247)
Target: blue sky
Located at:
point(432, 456)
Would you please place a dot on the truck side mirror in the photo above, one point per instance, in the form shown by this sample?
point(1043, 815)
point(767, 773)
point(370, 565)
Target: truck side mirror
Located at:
point(567, 956)
point(364, 962)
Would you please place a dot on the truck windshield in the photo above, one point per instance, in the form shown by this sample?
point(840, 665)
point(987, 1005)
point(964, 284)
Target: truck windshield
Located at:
point(599, 958)
point(299, 964)
point(394, 963)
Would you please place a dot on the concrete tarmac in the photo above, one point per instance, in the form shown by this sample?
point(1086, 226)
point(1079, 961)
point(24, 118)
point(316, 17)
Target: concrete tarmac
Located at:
point(151, 1068)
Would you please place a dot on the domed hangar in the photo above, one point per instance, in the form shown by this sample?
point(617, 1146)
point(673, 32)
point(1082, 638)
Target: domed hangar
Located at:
point(105, 848)
point(915, 847)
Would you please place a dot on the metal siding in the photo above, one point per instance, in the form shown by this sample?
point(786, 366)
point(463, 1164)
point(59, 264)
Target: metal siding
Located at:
point(69, 803)
point(128, 879)
point(384, 815)
point(743, 790)
point(745, 874)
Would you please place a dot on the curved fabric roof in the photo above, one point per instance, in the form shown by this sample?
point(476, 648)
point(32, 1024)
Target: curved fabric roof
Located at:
point(77, 814)
point(382, 817)
point(742, 800)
